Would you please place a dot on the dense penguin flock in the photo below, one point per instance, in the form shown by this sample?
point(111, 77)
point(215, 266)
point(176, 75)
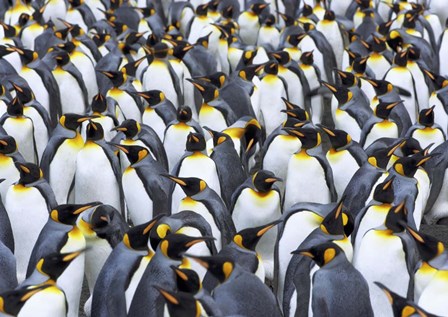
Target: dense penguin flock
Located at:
point(223, 158)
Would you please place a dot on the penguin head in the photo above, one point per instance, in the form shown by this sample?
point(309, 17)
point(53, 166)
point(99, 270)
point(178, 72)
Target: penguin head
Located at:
point(269, 20)
point(8, 144)
point(147, 11)
point(342, 94)
point(258, 8)
point(54, 264)
point(271, 67)
point(426, 117)
point(407, 166)
point(351, 55)
point(220, 266)
point(395, 40)
point(282, 57)
point(218, 137)
point(322, 254)
point(383, 28)
point(378, 44)
point(263, 180)
point(347, 79)
point(136, 238)
point(438, 80)
point(190, 185)
point(249, 237)
point(129, 127)
point(380, 157)
point(117, 78)
point(187, 280)
point(68, 47)
point(134, 153)
point(384, 192)
point(152, 97)
point(207, 90)
point(159, 232)
point(401, 59)
point(68, 213)
point(338, 138)
point(307, 10)
point(176, 244)
point(383, 109)
point(27, 56)
point(29, 173)
point(184, 114)
point(248, 72)
point(359, 64)
point(337, 222)
point(72, 121)
point(396, 218)
point(414, 53)
point(8, 30)
point(309, 137)
point(287, 19)
point(409, 19)
point(329, 15)
point(203, 40)
point(217, 79)
point(181, 49)
point(131, 67)
point(428, 246)
point(76, 3)
point(180, 303)
point(201, 10)
point(160, 50)
point(195, 142)
point(11, 302)
point(62, 58)
point(411, 147)
point(94, 131)
point(99, 103)
point(15, 107)
point(294, 111)
point(23, 20)
point(23, 92)
point(381, 87)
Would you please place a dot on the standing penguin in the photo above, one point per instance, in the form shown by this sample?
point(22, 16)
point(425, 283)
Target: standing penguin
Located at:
point(437, 99)
point(30, 190)
point(335, 274)
point(146, 192)
point(249, 22)
point(101, 111)
point(8, 170)
point(330, 28)
point(317, 186)
point(59, 159)
point(425, 131)
point(256, 203)
point(97, 176)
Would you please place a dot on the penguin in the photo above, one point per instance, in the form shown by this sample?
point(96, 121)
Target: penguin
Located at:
point(55, 11)
point(146, 192)
point(59, 158)
point(268, 33)
point(121, 272)
point(195, 163)
point(130, 132)
point(345, 157)
point(204, 201)
point(392, 243)
point(198, 23)
point(272, 89)
point(21, 128)
point(249, 22)
point(226, 158)
point(379, 60)
point(236, 283)
point(257, 202)
point(330, 28)
point(379, 125)
point(30, 190)
point(79, 13)
point(103, 229)
point(97, 173)
point(147, 300)
point(334, 274)
point(437, 99)
point(158, 112)
point(425, 131)
point(8, 156)
point(8, 275)
point(60, 234)
point(310, 161)
point(16, 9)
point(416, 67)
point(176, 134)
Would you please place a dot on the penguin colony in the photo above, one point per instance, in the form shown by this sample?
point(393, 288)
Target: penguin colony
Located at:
point(223, 158)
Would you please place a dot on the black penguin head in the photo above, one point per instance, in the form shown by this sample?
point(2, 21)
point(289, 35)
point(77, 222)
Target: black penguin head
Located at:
point(218, 137)
point(426, 117)
point(248, 238)
point(381, 87)
point(271, 67)
point(160, 50)
point(9, 30)
point(187, 281)
point(401, 59)
point(53, 265)
point(438, 81)
point(180, 303)
point(352, 56)
point(11, 302)
point(347, 79)
point(342, 94)
point(23, 92)
point(333, 223)
point(269, 20)
point(380, 157)
point(338, 138)
point(309, 137)
point(100, 38)
point(68, 47)
point(208, 91)
point(263, 181)
point(134, 153)
point(181, 49)
point(159, 232)
point(396, 218)
point(136, 238)
point(384, 27)
point(184, 114)
point(383, 109)
point(152, 97)
point(428, 246)
point(395, 40)
point(190, 185)
point(195, 142)
point(8, 144)
point(176, 244)
point(217, 79)
point(129, 127)
point(359, 64)
point(27, 56)
point(29, 173)
point(117, 78)
point(62, 58)
point(258, 8)
point(411, 147)
point(322, 254)
point(378, 44)
point(407, 166)
point(294, 111)
point(72, 121)
point(307, 10)
point(248, 72)
point(307, 58)
point(201, 10)
point(76, 3)
point(94, 131)
point(414, 53)
point(15, 108)
point(24, 18)
point(99, 103)
point(329, 15)
point(220, 266)
point(282, 57)
point(384, 192)
point(409, 19)
point(68, 213)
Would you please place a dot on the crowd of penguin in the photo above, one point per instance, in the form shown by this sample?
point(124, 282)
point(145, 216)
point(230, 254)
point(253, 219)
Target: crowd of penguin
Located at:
point(223, 158)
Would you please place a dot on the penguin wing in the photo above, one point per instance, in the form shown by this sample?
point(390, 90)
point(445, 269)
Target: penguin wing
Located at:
point(236, 194)
point(152, 140)
point(47, 193)
point(358, 153)
point(90, 44)
point(305, 86)
point(366, 128)
point(412, 259)
point(358, 220)
point(53, 91)
point(238, 100)
point(166, 111)
point(328, 176)
point(115, 165)
point(72, 70)
point(401, 117)
point(436, 168)
point(176, 84)
point(157, 187)
point(87, 15)
point(43, 114)
point(6, 234)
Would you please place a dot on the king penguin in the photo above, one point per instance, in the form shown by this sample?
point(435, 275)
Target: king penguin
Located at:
point(425, 131)
point(8, 156)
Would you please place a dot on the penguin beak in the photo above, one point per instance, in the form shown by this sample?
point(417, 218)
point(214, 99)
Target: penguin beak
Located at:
point(174, 179)
point(393, 105)
point(304, 252)
point(3, 142)
point(23, 168)
point(198, 260)
point(331, 87)
point(415, 234)
point(196, 84)
point(71, 256)
point(326, 130)
point(83, 119)
point(119, 128)
point(169, 297)
point(84, 208)
point(120, 147)
point(199, 240)
point(273, 180)
point(269, 226)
